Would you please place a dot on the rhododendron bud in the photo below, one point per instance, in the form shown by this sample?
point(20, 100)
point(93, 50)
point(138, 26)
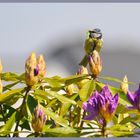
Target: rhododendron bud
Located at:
point(82, 70)
point(41, 66)
point(95, 63)
point(31, 70)
point(124, 84)
point(70, 89)
point(38, 119)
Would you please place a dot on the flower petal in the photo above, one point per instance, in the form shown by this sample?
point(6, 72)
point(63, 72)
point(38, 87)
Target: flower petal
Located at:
point(93, 96)
point(101, 100)
point(106, 92)
point(113, 104)
point(137, 100)
point(91, 115)
point(131, 97)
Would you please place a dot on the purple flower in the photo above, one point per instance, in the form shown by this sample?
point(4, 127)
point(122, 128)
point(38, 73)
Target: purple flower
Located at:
point(91, 106)
point(134, 99)
point(101, 105)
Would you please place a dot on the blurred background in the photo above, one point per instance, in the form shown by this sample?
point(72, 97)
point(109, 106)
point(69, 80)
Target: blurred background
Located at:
point(58, 31)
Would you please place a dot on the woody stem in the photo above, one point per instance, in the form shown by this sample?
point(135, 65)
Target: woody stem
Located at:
point(20, 112)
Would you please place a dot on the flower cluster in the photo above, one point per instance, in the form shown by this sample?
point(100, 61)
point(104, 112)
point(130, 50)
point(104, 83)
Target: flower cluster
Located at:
point(101, 105)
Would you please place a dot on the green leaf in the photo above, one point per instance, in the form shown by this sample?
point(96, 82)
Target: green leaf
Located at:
point(120, 130)
point(61, 98)
point(28, 108)
point(66, 106)
point(6, 97)
point(84, 61)
point(121, 109)
point(56, 118)
point(52, 102)
point(9, 86)
point(62, 130)
point(13, 100)
point(41, 95)
point(133, 111)
point(86, 90)
point(123, 99)
point(50, 134)
point(32, 103)
point(122, 133)
point(25, 125)
point(115, 120)
point(32, 135)
point(54, 81)
point(8, 126)
point(118, 127)
point(21, 77)
point(74, 79)
point(8, 111)
point(136, 124)
point(113, 79)
point(9, 76)
point(130, 119)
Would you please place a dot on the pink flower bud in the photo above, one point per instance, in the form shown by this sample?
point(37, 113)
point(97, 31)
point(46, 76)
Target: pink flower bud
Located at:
point(39, 119)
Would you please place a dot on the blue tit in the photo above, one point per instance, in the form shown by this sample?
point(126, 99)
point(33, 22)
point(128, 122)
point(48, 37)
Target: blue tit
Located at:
point(94, 41)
